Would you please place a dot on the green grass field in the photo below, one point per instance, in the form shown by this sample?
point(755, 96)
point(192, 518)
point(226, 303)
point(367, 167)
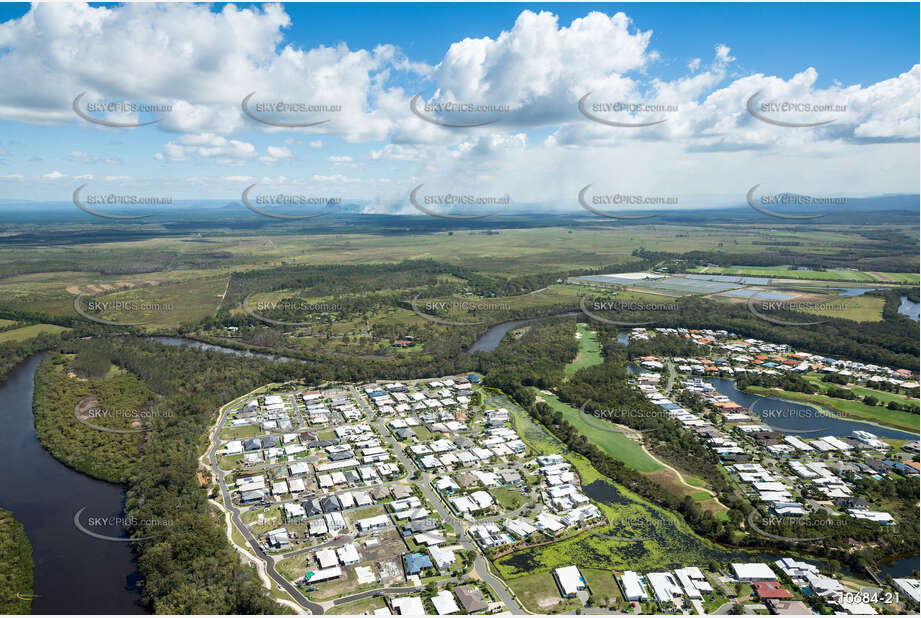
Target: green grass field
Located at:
point(857, 308)
point(603, 586)
point(885, 396)
point(589, 350)
point(28, 332)
point(787, 272)
point(509, 497)
point(615, 444)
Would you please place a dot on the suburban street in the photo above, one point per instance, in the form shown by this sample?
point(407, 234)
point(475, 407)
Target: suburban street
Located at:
point(480, 564)
point(314, 608)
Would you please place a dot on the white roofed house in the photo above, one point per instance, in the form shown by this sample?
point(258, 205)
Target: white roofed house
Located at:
point(294, 511)
point(348, 554)
point(327, 558)
point(632, 587)
point(408, 606)
point(444, 603)
point(570, 580)
point(666, 588)
point(694, 582)
point(753, 572)
point(443, 558)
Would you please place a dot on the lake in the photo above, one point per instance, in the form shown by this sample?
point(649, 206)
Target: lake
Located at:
point(74, 573)
point(801, 418)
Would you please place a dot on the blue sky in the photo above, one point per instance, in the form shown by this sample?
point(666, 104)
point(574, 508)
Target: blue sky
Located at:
point(855, 42)
point(703, 59)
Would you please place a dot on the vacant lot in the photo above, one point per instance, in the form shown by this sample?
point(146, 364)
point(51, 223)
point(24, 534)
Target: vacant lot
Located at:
point(540, 594)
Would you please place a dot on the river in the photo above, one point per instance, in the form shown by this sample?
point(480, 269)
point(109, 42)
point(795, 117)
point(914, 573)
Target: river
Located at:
point(909, 308)
point(798, 418)
point(208, 347)
point(493, 337)
point(74, 573)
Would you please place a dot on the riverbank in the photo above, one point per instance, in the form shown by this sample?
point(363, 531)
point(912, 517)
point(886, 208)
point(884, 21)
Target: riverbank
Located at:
point(74, 573)
point(17, 580)
point(877, 415)
point(105, 455)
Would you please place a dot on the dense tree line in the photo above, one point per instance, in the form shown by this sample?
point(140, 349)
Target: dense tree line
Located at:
point(16, 576)
point(188, 565)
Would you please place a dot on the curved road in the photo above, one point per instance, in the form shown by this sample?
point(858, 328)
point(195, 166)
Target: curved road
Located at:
point(314, 608)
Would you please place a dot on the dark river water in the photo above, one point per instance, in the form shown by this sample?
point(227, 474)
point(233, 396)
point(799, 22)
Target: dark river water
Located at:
point(796, 418)
point(901, 568)
point(74, 573)
point(493, 337)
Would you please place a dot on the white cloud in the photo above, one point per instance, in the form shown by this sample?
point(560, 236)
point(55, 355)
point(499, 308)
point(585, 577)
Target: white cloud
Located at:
point(81, 157)
point(275, 153)
point(335, 179)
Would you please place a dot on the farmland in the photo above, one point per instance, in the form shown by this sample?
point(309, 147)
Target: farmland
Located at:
point(788, 272)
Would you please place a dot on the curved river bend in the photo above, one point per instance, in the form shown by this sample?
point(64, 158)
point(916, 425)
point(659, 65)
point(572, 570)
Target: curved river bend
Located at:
point(74, 573)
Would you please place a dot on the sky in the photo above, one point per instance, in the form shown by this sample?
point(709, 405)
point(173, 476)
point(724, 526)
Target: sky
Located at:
point(685, 73)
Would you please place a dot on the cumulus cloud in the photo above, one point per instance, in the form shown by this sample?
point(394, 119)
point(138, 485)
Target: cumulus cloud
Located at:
point(202, 61)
